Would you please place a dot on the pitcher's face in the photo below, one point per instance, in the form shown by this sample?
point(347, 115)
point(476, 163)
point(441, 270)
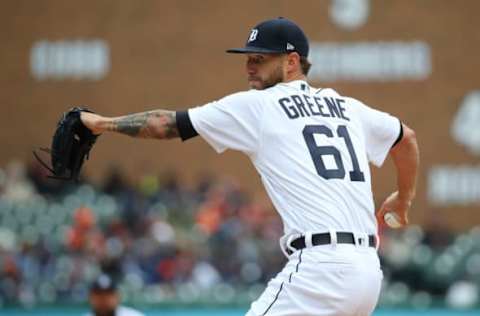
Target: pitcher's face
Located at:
point(265, 70)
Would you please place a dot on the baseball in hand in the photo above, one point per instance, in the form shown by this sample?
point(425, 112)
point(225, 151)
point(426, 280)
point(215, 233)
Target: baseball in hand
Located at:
point(392, 220)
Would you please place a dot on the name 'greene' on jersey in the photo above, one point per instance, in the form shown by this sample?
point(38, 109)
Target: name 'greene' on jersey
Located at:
point(311, 147)
point(296, 106)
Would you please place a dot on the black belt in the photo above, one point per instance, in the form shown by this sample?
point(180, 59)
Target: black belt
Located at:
point(324, 239)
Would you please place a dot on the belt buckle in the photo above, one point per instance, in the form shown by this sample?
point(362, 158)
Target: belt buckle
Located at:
point(361, 240)
point(290, 249)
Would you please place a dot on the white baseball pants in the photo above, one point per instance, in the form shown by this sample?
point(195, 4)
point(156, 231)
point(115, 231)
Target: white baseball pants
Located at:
point(342, 279)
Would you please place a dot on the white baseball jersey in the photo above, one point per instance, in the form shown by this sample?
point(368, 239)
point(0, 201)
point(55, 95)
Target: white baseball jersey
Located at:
point(124, 311)
point(311, 147)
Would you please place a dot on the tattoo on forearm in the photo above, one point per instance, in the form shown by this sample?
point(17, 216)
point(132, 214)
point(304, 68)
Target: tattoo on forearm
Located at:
point(152, 124)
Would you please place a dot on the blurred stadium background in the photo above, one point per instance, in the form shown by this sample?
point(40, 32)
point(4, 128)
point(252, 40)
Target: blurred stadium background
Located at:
point(182, 227)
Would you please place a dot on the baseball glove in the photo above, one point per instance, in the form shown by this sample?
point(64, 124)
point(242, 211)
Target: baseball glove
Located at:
point(71, 145)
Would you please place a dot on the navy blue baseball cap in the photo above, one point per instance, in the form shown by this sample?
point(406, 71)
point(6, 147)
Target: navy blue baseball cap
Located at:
point(104, 283)
point(278, 35)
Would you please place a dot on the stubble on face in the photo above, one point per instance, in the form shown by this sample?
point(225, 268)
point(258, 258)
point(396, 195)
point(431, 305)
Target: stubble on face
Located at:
point(274, 77)
point(266, 78)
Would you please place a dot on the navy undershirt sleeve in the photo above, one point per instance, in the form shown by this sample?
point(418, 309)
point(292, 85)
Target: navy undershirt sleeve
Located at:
point(400, 135)
point(184, 125)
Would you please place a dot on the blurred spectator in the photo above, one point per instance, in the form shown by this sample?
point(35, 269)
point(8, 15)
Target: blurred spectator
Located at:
point(17, 186)
point(81, 236)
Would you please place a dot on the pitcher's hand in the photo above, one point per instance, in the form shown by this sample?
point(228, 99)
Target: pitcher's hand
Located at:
point(399, 206)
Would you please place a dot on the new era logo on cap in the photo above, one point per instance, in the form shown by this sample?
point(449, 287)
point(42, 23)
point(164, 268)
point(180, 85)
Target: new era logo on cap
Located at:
point(290, 46)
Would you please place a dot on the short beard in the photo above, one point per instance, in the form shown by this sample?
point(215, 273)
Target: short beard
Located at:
point(275, 77)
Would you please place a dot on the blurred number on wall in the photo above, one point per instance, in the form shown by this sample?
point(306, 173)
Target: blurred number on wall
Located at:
point(460, 184)
point(371, 61)
point(349, 14)
point(465, 125)
point(454, 185)
point(70, 59)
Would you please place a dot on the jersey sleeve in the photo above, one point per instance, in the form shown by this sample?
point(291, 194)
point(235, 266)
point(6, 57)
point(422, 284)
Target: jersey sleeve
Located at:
point(233, 122)
point(382, 131)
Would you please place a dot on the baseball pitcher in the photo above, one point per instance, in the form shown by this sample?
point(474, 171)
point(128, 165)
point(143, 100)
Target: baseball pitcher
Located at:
point(312, 148)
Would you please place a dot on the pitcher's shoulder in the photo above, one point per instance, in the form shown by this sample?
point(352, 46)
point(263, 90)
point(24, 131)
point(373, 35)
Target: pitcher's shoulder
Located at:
point(332, 93)
point(327, 92)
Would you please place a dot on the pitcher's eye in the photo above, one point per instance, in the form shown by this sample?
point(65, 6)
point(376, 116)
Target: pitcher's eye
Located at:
point(256, 60)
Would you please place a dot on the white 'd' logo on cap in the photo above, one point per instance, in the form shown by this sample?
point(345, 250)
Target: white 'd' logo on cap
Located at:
point(253, 35)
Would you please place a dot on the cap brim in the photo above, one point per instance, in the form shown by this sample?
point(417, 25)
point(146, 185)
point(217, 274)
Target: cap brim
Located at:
point(253, 50)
